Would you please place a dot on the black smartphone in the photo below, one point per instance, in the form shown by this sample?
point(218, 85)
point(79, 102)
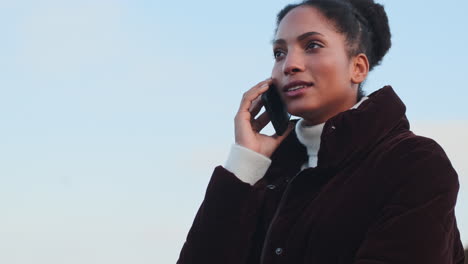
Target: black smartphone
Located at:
point(276, 109)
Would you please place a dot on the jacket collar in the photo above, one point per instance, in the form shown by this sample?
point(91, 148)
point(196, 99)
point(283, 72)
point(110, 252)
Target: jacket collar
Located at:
point(346, 136)
point(354, 132)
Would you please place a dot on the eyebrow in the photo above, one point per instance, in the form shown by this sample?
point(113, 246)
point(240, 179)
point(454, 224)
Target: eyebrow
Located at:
point(299, 38)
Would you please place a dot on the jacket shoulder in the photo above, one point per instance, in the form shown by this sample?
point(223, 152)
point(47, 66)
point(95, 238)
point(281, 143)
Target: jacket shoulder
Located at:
point(407, 145)
point(410, 157)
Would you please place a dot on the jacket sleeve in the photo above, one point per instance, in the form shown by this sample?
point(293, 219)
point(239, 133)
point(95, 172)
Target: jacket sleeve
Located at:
point(224, 223)
point(417, 224)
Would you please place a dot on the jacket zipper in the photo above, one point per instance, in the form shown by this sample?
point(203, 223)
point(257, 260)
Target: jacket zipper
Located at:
point(278, 209)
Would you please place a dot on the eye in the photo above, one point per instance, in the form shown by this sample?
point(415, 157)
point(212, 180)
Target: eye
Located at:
point(313, 45)
point(277, 54)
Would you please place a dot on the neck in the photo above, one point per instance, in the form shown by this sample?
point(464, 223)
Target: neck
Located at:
point(318, 118)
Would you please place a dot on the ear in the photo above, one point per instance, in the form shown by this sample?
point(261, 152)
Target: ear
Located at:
point(359, 68)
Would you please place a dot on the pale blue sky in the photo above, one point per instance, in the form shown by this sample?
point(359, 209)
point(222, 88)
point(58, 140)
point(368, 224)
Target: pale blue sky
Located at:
point(114, 113)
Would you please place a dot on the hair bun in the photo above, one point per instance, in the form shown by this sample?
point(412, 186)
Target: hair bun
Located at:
point(378, 22)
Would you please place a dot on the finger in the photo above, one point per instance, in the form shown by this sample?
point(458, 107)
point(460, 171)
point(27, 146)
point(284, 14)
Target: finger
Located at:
point(256, 106)
point(252, 94)
point(261, 121)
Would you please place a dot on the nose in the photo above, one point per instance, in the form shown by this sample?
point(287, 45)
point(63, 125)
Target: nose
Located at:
point(293, 63)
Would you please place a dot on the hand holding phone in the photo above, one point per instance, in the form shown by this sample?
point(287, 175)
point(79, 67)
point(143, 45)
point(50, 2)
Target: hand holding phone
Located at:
point(248, 126)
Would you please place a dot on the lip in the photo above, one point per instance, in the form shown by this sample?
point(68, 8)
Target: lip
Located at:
point(296, 83)
point(297, 92)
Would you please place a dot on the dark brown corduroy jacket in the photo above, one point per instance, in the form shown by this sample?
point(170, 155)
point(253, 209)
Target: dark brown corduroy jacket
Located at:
point(379, 195)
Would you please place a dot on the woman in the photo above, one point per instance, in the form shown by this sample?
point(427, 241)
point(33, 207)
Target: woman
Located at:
point(347, 183)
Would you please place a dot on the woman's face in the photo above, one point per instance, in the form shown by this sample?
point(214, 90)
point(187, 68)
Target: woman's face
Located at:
point(312, 69)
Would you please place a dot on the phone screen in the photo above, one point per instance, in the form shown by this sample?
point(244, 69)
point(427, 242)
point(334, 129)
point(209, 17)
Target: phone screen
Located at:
point(276, 109)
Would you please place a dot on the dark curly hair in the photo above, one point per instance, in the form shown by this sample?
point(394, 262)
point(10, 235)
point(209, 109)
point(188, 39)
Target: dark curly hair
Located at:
point(364, 23)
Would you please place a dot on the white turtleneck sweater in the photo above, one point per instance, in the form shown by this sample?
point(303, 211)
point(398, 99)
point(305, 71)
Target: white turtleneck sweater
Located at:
point(250, 166)
point(309, 136)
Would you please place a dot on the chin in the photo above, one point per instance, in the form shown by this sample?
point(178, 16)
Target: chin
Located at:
point(300, 109)
point(313, 114)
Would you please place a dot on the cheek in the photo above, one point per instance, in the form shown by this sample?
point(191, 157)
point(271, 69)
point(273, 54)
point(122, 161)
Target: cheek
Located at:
point(276, 71)
point(329, 69)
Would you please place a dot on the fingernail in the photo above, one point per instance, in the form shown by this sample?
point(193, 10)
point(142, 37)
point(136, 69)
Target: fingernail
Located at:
point(264, 85)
